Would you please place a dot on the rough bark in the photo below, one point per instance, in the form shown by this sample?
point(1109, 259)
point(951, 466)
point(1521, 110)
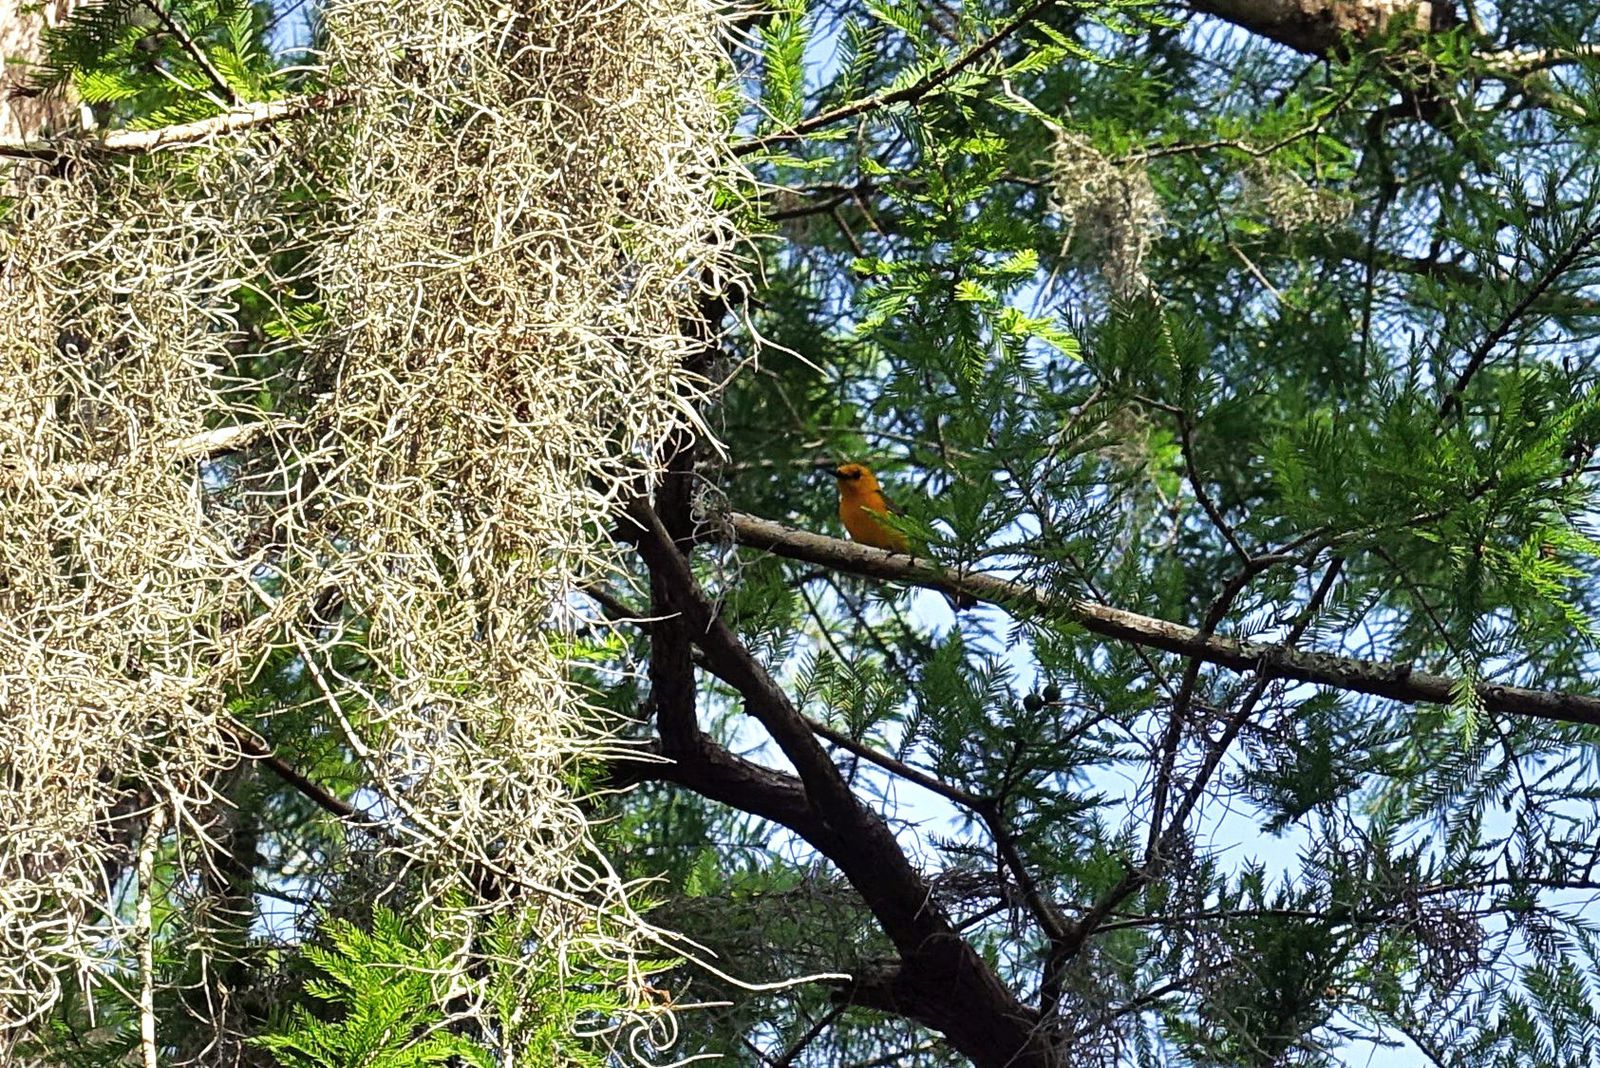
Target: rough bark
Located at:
point(24, 113)
point(941, 981)
point(1319, 27)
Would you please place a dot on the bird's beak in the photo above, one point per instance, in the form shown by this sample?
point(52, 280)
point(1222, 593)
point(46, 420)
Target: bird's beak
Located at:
point(828, 467)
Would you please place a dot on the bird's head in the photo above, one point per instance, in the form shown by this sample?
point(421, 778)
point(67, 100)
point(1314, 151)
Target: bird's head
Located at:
point(857, 476)
point(848, 472)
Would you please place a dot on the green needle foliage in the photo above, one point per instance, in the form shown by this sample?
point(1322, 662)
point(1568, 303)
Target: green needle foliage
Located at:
point(151, 63)
point(1253, 345)
point(382, 985)
point(1286, 341)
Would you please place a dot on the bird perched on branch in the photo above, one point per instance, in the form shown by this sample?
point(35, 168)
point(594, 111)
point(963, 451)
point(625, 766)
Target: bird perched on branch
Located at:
point(862, 508)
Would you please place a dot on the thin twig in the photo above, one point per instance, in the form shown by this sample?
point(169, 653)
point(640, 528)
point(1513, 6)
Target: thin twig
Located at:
point(1254, 151)
point(196, 53)
point(898, 767)
point(1580, 243)
point(1136, 879)
point(909, 94)
point(987, 809)
point(144, 933)
point(615, 609)
point(809, 1037)
point(1138, 1004)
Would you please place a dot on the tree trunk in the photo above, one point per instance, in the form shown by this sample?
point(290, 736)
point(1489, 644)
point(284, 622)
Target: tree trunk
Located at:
point(24, 113)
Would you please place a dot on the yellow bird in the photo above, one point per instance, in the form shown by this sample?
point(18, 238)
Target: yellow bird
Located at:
point(862, 507)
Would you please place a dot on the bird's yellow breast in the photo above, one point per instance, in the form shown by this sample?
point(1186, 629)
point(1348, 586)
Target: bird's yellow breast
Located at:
point(859, 510)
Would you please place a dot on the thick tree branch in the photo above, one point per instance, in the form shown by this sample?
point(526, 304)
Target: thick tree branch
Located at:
point(206, 445)
point(718, 775)
point(944, 983)
point(187, 133)
point(1399, 682)
point(1519, 64)
point(986, 809)
point(1319, 27)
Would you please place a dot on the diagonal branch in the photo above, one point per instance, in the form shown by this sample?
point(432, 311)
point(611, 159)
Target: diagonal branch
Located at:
point(1547, 278)
point(253, 746)
point(973, 1007)
point(822, 1023)
point(1399, 682)
point(194, 51)
point(908, 95)
point(986, 809)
